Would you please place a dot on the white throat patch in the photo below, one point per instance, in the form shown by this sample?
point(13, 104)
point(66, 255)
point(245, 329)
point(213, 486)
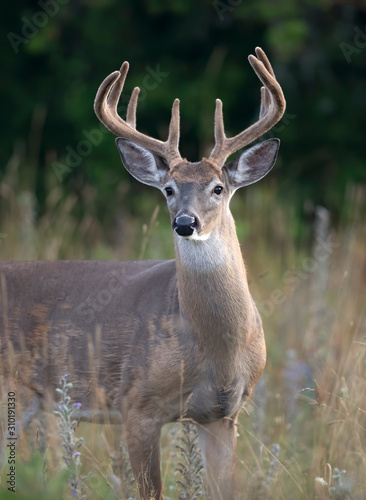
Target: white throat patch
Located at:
point(201, 252)
point(198, 237)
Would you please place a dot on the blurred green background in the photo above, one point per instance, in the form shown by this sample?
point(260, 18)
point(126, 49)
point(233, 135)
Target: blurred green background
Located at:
point(55, 53)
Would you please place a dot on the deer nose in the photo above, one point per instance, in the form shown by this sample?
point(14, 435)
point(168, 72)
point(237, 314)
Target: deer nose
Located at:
point(184, 225)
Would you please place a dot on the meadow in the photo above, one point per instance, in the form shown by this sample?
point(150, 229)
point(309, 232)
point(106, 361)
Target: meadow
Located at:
point(303, 433)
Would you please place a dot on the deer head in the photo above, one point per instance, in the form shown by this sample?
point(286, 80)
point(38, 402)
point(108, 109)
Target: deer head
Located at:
point(197, 193)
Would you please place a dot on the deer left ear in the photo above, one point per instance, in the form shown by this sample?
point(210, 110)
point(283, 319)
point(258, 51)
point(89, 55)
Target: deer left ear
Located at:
point(253, 164)
point(146, 167)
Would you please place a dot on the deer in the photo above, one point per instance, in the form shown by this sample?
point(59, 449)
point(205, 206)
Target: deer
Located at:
point(173, 339)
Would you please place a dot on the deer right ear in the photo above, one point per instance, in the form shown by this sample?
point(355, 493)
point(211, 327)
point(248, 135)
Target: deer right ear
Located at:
point(253, 164)
point(141, 163)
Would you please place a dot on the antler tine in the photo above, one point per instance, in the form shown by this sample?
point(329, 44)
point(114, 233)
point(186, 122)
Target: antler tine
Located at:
point(105, 106)
point(220, 137)
point(117, 87)
point(265, 96)
point(273, 106)
point(174, 126)
point(278, 103)
point(219, 124)
point(261, 55)
point(265, 102)
point(131, 108)
point(100, 105)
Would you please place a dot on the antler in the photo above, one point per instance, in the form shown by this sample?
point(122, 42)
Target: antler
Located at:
point(105, 106)
point(271, 110)
point(272, 107)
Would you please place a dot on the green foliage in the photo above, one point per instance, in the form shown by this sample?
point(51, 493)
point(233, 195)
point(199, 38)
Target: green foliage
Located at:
point(55, 63)
point(190, 466)
point(65, 412)
point(33, 483)
point(342, 486)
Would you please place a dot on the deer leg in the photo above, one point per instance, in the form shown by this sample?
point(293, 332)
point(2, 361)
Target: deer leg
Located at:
point(143, 441)
point(218, 448)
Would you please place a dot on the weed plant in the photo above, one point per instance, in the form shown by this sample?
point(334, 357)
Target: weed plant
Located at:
point(303, 433)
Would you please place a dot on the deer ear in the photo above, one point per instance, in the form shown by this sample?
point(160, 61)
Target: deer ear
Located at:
point(142, 164)
point(253, 164)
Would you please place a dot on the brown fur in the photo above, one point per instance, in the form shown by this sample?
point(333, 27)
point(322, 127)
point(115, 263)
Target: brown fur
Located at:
point(156, 341)
point(168, 342)
point(199, 172)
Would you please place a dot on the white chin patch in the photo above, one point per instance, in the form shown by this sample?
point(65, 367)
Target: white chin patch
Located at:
point(198, 237)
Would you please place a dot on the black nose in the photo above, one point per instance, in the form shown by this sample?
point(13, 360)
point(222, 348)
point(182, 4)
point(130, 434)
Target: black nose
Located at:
point(184, 225)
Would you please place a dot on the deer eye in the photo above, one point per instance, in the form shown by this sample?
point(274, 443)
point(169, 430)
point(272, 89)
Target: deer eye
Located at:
point(218, 190)
point(169, 191)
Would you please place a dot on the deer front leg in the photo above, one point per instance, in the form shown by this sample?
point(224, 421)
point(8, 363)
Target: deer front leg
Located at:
point(143, 441)
point(218, 447)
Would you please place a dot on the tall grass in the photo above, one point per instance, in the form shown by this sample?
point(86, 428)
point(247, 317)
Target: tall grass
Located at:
point(303, 434)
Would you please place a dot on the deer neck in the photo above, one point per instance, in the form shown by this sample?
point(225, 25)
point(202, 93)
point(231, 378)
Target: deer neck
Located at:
point(213, 292)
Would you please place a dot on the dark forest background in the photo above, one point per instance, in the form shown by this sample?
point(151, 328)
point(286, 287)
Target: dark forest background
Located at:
point(55, 53)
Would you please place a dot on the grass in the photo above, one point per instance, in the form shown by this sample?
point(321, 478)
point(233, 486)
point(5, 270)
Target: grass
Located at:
point(303, 434)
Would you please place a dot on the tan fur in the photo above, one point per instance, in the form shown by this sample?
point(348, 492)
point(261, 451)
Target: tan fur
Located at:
point(199, 172)
point(152, 342)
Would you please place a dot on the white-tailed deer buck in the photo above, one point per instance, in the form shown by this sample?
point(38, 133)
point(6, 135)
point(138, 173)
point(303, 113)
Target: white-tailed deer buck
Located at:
point(169, 339)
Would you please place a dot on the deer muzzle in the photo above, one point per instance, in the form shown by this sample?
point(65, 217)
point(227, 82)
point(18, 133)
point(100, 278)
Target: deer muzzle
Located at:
point(184, 225)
